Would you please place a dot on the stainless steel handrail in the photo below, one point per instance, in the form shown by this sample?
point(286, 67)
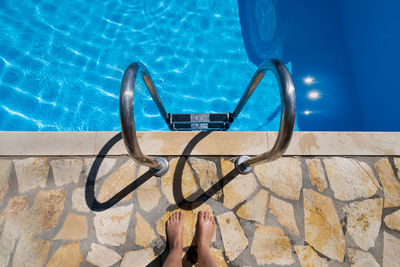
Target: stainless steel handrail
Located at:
point(245, 164)
point(158, 165)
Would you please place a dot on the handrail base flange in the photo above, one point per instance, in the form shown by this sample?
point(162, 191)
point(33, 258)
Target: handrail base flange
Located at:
point(239, 166)
point(164, 167)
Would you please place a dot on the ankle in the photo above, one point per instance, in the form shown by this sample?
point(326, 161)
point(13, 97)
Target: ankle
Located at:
point(203, 249)
point(175, 251)
point(176, 246)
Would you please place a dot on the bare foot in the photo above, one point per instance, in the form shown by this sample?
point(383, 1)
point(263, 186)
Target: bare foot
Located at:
point(175, 230)
point(206, 229)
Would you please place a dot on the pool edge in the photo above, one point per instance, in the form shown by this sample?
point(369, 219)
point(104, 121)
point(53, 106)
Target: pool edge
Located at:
point(199, 143)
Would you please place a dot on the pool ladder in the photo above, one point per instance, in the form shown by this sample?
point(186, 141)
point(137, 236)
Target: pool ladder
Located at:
point(207, 121)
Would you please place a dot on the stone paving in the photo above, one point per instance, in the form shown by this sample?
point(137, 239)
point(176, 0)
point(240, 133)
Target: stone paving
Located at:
point(299, 211)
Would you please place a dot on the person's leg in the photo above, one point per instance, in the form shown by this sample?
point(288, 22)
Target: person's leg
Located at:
point(175, 240)
point(206, 229)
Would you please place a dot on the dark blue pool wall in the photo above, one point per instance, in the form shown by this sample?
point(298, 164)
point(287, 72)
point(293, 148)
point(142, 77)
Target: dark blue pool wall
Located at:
point(348, 47)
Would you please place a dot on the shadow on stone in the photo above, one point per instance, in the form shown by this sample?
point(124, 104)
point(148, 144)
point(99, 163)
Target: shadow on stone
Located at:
point(196, 199)
point(191, 202)
point(90, 197)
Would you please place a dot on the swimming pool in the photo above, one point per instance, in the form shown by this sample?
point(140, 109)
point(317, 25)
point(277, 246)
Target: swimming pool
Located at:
point(344, 56)
point(62, 63)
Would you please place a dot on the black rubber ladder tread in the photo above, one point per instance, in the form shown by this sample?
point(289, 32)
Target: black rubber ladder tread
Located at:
point(199, 121)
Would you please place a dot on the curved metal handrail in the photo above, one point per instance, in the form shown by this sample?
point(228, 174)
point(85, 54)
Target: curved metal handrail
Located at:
point(245, 164)
point(158, 165)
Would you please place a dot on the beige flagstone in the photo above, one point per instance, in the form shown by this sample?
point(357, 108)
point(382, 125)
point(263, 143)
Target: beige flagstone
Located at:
point(322, 227)
point(271, 246)
point(111, 225)
point(364, 221)
point(14, 216)
point(282, 176)
point(46, 210)
point(189, 185)
point(148, 194)
point(393, 220)
point(101, 256)
point(359, 258)
point(16, 208)
point(106, 166)
point(27, 220)
point(117, 181)
point(391, 187)
point(371, 174)
point(226, 166)
point(5, 168)
point(239, 189)
point(186, 181)
point(140, 258)
point(148, 198)
point(391, 248)
point(167, 181)
point(144, 233)
point(317, 175)
point(79, 201)
point(233, 237)
point(31, 173)
point(285, 214)
point(66, 171)
point(396, 161)
point(256, 208)
point(308, 257)
point(74, 228)
point(348, 180)
point(207, 174)
point(31, 251)
point(9, 235)
point(67, 255)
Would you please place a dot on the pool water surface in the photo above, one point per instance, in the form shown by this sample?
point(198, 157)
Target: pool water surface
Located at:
point(62, 63)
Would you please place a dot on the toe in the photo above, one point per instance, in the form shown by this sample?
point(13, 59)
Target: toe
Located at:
point(211, 217)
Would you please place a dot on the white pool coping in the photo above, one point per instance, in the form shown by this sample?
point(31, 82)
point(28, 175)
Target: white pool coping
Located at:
point(215, 143)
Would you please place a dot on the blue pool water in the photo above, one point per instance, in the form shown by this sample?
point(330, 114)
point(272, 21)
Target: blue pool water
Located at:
point(62, 63)
point(344, 55)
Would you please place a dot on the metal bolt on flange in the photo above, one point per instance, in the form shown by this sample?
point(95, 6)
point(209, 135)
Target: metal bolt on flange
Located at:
point(164, 167)
point(240, 167)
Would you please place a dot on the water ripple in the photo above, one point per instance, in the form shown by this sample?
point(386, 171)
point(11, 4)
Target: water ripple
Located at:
point(61, 64)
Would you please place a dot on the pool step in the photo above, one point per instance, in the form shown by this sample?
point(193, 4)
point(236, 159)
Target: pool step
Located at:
point(199, 121)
